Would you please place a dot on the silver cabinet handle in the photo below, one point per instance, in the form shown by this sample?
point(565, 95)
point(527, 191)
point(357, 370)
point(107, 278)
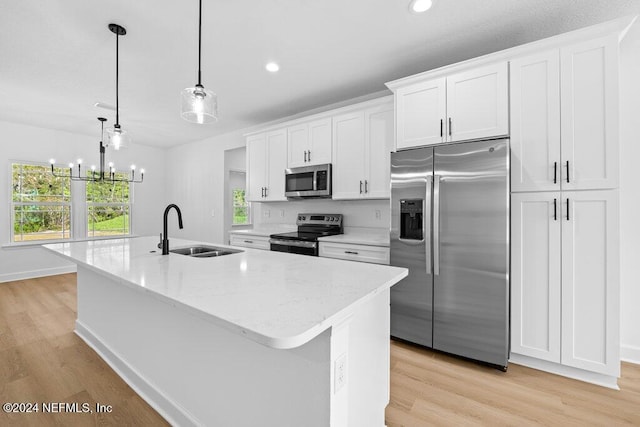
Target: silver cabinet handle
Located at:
point(351, 252)
point(305, 156)
point(248, 241)
point(309, 155)
point(366, 186)
point(360, 187)
point(436, 225)
point(266, 191)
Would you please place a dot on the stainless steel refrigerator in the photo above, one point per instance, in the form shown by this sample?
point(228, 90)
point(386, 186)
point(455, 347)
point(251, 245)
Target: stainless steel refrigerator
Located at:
point(450, 227)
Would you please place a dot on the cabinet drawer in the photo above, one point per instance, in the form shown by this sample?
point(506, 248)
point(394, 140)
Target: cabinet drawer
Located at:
point(250, 241)
point(362, 253)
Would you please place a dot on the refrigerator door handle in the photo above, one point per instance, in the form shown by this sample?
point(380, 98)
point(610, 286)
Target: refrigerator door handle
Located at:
point(436, 225)
point(426, 225)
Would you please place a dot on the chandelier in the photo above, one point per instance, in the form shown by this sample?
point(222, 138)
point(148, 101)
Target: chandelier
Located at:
point(94, 175)
point(117, 138)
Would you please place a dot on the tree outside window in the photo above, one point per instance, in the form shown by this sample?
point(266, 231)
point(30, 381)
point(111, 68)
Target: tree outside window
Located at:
point(240, 207)
point(40, 203)
point(108, 208)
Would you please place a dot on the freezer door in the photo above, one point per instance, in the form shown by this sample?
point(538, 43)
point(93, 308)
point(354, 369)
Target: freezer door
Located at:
point(411, 193)
point(471, 288)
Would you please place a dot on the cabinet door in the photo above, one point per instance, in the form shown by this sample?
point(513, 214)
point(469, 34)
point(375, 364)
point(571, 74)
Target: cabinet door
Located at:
point(477, 103)
point(277, 163)
point(256, 167)
point(535, 275)
point(589, 81)
point(535, 122)
point(379, 143)
point(420, 114)
point(298, 143)
point(590, 281)
point(319, 148)
point(348, 156)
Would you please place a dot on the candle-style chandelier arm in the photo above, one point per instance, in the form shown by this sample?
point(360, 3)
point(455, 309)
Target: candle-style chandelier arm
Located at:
point(94, 175)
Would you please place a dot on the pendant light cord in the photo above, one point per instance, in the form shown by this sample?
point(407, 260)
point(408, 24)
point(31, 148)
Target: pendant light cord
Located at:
point(117, 68)
point(199, 41)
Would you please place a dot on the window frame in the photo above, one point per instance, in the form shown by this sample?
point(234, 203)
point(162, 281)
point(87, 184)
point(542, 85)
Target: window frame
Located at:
point(12, 205)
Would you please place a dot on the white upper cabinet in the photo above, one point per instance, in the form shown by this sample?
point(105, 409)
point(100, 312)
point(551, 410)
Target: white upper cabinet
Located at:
point(379, 135)
point(348, 155)
point(257, 167)
point(309, 143)
point(362, 142)
point(564, 118)
point(535, 122)
point(464, 106)
point(421, 110)
point(589, 94)
point(266, 162)
point(276, 164)
point(477, 103)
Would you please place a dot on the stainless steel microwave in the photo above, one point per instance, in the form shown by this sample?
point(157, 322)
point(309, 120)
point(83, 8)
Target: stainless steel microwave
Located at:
point(308, 182)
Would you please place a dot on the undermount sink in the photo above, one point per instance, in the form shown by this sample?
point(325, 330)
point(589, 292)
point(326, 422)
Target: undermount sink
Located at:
point(203, 251)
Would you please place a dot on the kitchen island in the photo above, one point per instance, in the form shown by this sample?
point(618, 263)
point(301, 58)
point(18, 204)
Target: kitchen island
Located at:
point(251, 338)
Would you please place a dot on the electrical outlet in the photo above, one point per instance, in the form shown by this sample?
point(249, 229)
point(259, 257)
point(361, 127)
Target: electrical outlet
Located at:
point(340, 373)
point(281, 213)
point(266, 213)
point(378, 214)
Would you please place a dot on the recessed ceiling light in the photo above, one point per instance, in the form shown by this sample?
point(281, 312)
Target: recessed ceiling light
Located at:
point(272, 67)
point(419, 6)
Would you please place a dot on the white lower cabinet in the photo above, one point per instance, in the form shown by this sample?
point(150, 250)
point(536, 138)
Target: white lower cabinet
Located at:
point(565, 285)
point(353, 252)
point(250, 241)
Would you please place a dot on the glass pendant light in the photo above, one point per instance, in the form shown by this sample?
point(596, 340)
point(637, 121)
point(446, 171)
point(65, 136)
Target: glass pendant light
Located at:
point(199, 105)
point(117, 137)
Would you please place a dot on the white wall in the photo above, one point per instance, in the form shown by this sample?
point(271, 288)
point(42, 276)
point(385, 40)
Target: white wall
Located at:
point(197, 185)
point(27, 143)
point(630, 195)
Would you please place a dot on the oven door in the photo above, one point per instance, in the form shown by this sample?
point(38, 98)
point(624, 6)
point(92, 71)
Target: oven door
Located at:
point(294, 246)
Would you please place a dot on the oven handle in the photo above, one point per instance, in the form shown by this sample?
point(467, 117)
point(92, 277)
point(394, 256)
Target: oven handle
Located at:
point(298, 243)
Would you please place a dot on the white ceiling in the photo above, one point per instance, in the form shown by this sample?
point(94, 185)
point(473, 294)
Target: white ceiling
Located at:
point(57, 57)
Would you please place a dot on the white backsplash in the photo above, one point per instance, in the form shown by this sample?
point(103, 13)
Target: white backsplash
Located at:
point(357, 213)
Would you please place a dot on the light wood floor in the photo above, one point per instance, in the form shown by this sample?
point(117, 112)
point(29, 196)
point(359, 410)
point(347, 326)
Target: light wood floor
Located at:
point(42, 360)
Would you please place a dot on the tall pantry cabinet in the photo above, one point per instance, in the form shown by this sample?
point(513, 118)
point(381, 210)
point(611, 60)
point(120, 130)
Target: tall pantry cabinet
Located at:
point(564, 204)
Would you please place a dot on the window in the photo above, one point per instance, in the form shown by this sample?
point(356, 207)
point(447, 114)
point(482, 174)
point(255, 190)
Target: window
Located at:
point(108, 208)
point(40, 203)
point(240, 207)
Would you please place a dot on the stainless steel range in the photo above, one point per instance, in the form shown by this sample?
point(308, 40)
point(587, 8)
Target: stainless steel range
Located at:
point(305, 240)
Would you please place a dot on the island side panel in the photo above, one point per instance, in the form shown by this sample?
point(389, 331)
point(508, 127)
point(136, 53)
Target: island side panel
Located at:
point(194, 372)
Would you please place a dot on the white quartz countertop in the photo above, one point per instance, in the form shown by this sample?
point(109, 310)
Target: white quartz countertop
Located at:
point(370, 236)
point(277, 299)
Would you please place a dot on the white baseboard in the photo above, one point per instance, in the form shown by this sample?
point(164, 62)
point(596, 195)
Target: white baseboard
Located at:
point(12, 277)
point(630, 353)
point(169, 410)
point(566, 371)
